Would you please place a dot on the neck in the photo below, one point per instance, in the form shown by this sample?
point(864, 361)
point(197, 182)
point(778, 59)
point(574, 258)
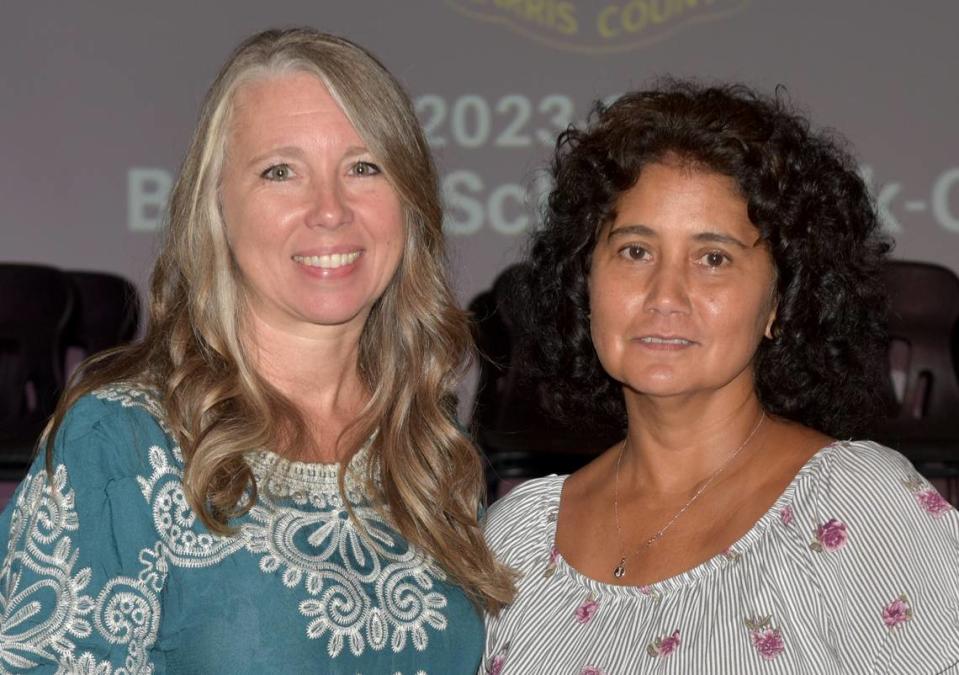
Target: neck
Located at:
point(317, 371)
point(675, 443)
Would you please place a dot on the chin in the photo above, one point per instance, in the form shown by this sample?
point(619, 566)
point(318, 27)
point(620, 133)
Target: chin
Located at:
point(662, 391)
point(659, 384)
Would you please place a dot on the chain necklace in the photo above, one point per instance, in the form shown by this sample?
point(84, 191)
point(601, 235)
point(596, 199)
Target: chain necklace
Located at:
point(620, 570)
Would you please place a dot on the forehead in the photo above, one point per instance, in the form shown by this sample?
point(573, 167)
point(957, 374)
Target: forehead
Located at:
point(275, 106)
point(673, 194)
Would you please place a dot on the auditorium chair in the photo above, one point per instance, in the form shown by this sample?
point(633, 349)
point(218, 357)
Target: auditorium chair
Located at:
point(105, 315)
point(922, 389)
point(35, 305)
point(519, 438)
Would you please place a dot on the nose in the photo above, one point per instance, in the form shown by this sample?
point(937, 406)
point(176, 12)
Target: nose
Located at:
point(668, 289)
point(328, 207)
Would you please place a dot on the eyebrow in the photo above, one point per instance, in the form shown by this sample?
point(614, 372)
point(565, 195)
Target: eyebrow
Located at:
point(646, 231)
point(299, 153)
point(287, 150)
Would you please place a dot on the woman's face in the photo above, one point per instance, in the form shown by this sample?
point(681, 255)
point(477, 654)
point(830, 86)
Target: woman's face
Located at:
point(681, 289)
point(314, 226)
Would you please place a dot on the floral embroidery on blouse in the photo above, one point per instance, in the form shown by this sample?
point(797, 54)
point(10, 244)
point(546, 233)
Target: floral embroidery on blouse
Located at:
point(896, 612)
point(830, 536)
point(495, 666)
point(767, 639)
point(731, 555)
point(586, 611)
point(927, 496)
point(551, 566)
point(663, 645)
point(787, 515)
point(651, 592)
point(590, 670)
point(932, 502)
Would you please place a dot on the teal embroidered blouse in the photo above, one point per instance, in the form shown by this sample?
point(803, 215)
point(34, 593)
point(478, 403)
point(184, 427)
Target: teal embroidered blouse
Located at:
point(108, 569)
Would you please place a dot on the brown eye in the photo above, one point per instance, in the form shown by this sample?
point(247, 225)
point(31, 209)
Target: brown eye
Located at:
point(715, 259)
point(634, 252)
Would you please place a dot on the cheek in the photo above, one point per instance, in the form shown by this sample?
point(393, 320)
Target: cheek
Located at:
point(739, 317)
point(234, 212)
point(608, 321)
point(390, 231)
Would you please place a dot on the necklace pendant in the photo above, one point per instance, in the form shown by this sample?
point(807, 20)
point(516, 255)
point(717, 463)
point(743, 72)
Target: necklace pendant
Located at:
point(620, 570)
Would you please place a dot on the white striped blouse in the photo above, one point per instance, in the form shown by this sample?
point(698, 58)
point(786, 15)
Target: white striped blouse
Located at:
point(855, 569)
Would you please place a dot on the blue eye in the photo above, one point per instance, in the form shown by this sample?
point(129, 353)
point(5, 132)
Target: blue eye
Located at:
point(278, 172)
point(366, 169)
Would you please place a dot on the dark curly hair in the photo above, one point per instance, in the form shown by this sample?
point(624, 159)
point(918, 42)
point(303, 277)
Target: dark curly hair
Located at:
point(804, 195)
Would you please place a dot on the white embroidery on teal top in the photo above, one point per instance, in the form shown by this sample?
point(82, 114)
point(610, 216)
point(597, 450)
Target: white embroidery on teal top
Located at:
point(360, 595)
point(124, 612)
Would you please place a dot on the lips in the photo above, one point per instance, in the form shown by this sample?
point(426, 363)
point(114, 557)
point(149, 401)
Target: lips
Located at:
point(662, 340)
point(329, 261)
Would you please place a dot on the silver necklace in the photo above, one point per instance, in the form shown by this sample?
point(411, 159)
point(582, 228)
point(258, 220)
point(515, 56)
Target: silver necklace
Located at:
point(620, 570)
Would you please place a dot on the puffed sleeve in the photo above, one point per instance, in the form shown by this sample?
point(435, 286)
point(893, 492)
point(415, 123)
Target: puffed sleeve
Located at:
point(886, 553)
point(76, 589)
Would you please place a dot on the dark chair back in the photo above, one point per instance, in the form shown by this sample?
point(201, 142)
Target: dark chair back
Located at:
point(35, 303)
point(518, 436)
point(106, 314)
point(922, 389)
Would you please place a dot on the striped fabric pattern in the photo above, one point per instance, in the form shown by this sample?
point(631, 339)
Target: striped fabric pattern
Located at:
point(855, 569)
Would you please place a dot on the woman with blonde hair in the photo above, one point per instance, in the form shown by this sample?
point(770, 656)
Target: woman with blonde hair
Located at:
point(272, 479)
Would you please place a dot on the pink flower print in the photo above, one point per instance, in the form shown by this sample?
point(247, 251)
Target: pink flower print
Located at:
point(590, 670)
point(495, 666)
point(830, 536)
point(767, 639)
point(769, 643)
point(928, 498)
point(664, 645)
point(586, 611)
point(932, 502)
point(669, 644)
point(650, 593)
point(551, 565)
point(896, 612)
point(787, 515)
point(731, 555)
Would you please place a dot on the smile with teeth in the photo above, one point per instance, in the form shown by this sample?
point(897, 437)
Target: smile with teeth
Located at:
point(653, 340)
point(328, 262)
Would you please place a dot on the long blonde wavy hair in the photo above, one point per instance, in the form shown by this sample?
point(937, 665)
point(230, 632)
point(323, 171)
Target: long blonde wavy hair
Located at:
point(423, 473)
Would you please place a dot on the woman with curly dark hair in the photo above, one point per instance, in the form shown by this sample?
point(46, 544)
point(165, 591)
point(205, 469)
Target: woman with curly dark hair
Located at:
point(707, 278)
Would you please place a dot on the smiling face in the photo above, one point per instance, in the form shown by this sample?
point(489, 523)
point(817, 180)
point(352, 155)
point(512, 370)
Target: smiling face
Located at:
point(680, 287)
point(315, 227)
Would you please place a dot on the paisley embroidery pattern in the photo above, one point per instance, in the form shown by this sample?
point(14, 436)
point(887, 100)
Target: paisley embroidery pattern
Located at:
point(32, 628)
point(362, 591)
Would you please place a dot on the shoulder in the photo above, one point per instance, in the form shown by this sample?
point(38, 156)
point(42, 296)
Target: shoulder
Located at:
point(523, 517)
point(868, 478)
point(872, 498)
point(858, 459)
point(110, 431)
point(885, 537)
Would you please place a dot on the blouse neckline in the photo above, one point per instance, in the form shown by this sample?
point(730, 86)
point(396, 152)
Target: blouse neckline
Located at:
point(283, 476)
point(694, 574)
point(276, 474)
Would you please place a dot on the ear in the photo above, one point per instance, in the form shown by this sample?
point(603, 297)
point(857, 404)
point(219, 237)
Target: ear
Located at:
point(769, 323)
